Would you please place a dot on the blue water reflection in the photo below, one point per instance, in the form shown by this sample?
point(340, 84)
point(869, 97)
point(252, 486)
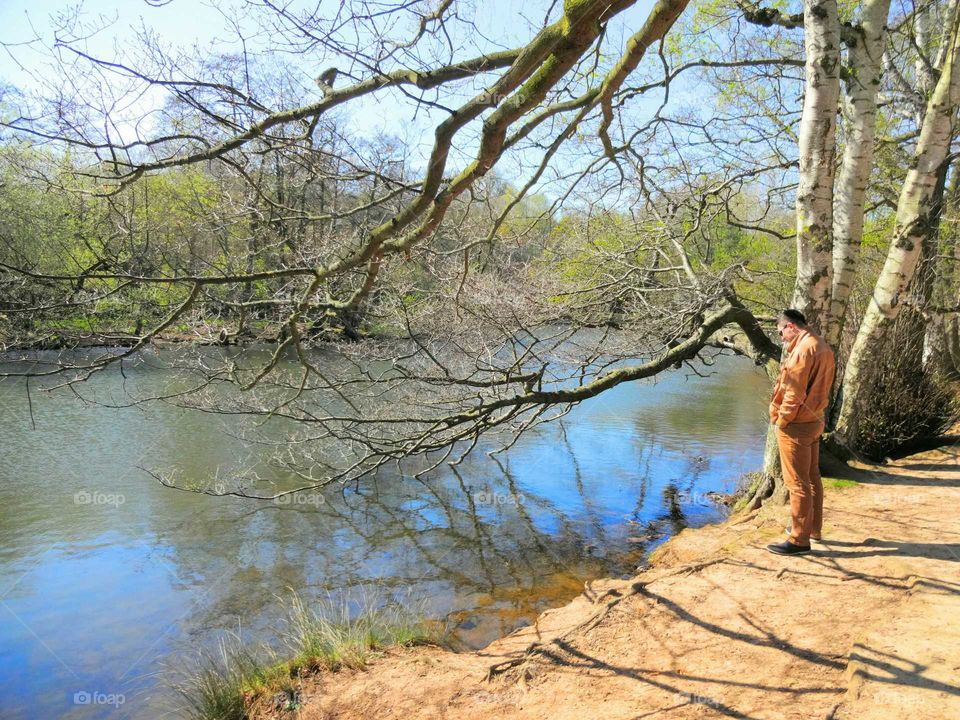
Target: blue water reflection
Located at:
point(108, 579)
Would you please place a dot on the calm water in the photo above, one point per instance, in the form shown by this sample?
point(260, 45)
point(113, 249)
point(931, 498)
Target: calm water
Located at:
point(108, 580)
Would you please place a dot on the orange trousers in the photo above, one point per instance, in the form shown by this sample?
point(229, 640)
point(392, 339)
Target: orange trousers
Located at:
point(799, 445)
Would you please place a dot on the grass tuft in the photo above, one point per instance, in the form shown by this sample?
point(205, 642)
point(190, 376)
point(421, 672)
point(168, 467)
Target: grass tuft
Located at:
point(330, 635)
point(221, 682)
point(839, 483)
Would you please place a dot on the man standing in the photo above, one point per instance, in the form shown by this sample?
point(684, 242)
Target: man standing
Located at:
point(799, 402)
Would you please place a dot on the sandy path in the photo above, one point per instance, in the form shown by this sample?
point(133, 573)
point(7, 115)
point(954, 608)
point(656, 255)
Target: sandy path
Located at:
point(867, 627)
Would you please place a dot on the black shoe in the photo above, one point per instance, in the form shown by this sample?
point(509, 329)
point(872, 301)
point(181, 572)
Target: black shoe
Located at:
point(788, 548)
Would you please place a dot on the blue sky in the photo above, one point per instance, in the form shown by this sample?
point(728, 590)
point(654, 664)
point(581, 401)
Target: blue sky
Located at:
point(185, 23)
point(21, 21)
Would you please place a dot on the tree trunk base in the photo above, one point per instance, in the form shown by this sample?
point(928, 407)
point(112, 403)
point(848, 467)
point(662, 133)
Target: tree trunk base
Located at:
point(833, 444)
point(764, 489)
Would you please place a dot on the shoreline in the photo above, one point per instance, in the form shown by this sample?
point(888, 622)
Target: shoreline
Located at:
point(712, 627)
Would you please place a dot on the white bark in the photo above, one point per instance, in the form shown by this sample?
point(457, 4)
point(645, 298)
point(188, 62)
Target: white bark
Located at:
point(818, 124)
point(865, 57)
point(922, 22)
point(943, 46)
point(914, 214)
point(814, 207)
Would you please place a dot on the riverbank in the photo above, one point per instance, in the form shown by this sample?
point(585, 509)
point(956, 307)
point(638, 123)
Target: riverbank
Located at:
point(863, 628)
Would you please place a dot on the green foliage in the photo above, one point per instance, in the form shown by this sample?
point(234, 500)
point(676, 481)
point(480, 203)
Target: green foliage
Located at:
point(771, 261)
point(877, 232)
point(581, 251)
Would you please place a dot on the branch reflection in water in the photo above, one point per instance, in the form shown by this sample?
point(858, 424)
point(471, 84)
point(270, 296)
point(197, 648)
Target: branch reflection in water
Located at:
point(114, 589)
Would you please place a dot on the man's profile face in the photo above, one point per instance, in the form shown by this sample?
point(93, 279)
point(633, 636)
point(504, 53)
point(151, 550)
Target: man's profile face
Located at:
point(787, 330)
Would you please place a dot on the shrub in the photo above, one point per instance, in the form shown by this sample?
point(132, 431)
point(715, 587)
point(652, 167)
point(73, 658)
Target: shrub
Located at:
point(907, 401)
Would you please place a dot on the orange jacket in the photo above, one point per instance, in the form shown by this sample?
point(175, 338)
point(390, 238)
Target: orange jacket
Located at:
point(803, 386)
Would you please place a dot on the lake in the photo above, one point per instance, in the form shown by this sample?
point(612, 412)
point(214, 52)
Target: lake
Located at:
point(111, 583)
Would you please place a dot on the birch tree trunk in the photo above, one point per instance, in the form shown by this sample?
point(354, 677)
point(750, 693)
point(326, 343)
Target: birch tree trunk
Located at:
point(865, 56)
point(818, 125)
point(814, 207)
point(926, 80)
point(915, 212)
point(924, 288)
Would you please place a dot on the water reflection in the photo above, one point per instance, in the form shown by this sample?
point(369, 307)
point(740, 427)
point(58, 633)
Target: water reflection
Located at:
point(105, 575)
